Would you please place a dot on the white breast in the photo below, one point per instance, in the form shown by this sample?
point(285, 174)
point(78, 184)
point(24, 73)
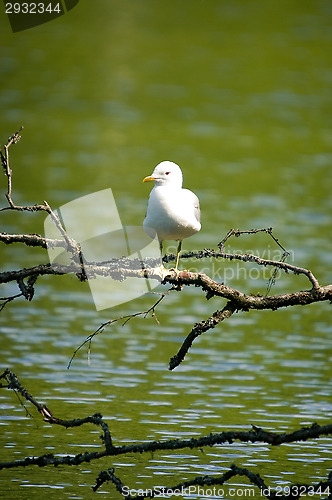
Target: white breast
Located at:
point(172, 214)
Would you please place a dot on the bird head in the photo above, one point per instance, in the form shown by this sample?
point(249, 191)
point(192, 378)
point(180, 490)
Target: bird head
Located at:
point(166, 173)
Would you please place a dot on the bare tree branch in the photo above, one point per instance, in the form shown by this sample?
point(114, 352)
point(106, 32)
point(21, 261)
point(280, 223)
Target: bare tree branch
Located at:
point(245, 302)
point(211, 287)
point(31, 240)
point(200, 328)
point(237, 301)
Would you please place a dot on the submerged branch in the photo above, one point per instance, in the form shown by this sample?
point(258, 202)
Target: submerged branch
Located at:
point(255, 435)
point(192, 487)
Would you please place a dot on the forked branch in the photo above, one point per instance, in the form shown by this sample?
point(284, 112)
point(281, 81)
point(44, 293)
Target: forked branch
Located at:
point(123, 268)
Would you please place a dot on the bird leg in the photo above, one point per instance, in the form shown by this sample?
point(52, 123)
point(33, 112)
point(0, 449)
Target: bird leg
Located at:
point(161, 270)
point(178, 255)
point(161, 255)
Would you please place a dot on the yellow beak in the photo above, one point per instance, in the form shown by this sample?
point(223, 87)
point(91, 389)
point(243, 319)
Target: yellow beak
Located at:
point(149, 178)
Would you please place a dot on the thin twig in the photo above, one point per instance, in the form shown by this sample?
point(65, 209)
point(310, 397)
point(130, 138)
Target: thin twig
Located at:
point(238, 232)
point(5, 164)
point(4, 157)
point(5, 300)
point(126, 318)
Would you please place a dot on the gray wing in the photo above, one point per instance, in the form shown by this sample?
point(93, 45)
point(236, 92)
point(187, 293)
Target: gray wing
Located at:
point(197, 210)
point(193, 199)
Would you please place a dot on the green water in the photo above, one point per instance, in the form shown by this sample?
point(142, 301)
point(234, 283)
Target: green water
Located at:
point(239, 95)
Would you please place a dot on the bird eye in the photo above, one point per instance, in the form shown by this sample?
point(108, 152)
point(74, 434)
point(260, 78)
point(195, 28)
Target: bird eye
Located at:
point(167, 173)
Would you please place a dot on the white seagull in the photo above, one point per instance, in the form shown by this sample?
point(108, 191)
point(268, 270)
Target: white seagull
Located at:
point(173, 212)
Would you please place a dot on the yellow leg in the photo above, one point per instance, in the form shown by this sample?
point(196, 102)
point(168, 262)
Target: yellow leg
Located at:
point(162, 270)
point(178, 254)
